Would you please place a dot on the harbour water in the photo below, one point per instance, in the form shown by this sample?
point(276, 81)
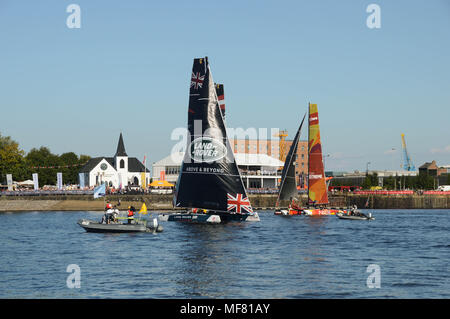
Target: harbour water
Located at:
point(401, 254)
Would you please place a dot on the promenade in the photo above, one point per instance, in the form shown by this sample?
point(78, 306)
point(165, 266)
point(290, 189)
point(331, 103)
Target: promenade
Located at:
point(163, 202)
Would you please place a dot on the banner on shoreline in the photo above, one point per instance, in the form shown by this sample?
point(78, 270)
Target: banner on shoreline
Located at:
point(81, 177)
point(9, 181)
point(143, 181)
point(36, 181)
point(59, 180)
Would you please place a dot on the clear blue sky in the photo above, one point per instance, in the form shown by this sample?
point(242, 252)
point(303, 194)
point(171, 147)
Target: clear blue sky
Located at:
point(127, 69)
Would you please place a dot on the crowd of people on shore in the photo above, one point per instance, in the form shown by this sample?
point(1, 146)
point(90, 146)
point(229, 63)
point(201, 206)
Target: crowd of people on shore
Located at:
point(76, 190)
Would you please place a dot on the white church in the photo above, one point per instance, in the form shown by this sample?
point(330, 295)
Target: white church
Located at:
point(118, 171)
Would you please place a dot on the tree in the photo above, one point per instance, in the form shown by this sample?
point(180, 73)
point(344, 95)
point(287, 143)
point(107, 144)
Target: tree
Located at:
point(46, 161)
point(424, 181)
point(70, 169)
point(41, 161)
point(11, 160)
point(370, 180)
point(389, 182)
point(49, 164)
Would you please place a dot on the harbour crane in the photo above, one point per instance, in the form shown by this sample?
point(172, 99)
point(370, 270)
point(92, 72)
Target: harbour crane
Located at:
point(407, 162)
point(282, 135)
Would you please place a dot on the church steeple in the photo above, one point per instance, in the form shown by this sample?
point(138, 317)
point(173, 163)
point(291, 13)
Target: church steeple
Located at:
point(121, 147)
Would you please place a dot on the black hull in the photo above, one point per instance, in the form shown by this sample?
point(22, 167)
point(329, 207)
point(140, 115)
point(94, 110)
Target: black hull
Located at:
point(194, 218)
point(209, 218)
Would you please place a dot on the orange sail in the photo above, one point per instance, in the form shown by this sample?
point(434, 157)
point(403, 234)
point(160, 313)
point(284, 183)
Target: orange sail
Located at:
point(316, 175)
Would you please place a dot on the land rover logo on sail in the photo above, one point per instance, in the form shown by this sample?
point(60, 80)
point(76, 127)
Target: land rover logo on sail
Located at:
point(207, 149)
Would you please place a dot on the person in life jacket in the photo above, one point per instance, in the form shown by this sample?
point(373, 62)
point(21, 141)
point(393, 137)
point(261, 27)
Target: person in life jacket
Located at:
point(131, 211)
point(108, 214)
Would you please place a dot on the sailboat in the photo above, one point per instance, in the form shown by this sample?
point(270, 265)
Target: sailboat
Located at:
point(209, 181)
point(317, 187)
point(288, 186)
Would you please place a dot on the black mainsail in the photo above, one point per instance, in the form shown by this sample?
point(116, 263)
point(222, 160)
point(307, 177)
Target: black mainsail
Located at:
point(288, 186)
point(209, 176)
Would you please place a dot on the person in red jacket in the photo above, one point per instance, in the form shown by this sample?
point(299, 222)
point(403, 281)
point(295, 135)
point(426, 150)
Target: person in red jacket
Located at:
point(131, 211)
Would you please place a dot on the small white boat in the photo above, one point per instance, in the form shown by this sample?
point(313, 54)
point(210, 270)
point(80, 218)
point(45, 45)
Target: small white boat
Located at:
point(138, 226)
point(359, 216)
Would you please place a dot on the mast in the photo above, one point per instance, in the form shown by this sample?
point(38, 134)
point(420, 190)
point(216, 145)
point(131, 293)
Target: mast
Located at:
point(309, 159)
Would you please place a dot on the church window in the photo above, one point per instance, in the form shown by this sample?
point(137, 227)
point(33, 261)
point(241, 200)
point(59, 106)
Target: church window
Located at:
point(122, 163)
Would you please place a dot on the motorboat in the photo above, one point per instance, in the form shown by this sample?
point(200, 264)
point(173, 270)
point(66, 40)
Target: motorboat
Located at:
point(355, 216)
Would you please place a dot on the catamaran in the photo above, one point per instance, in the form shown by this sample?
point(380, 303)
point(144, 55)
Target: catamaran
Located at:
point(288, 186)
point(209, 181)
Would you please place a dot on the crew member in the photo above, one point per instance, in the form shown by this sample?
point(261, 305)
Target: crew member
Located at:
point(131, 211)
point(108, 214)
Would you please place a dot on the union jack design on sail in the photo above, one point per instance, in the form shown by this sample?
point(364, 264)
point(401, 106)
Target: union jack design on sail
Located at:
point(197, 80)
point(238, 203)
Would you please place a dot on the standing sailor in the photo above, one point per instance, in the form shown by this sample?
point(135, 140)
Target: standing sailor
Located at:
point(131, 211)
point(108, 214)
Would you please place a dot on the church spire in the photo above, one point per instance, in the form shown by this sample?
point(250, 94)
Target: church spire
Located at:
point(121, 147)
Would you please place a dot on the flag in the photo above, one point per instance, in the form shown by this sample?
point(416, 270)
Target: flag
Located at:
point(82, 181)
point(143, 181)
point(100, 191)
point(35, 181)
point(238, 203)
point(59, 180)
point(9, 181)
point(143, 209)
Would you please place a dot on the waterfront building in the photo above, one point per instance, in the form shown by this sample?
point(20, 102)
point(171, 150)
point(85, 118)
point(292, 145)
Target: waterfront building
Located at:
point(429, 168)
point(357, 178)
point(117, 171)
point(441, 174)
point(432, 169)
point(276, 148)
point(257, 170)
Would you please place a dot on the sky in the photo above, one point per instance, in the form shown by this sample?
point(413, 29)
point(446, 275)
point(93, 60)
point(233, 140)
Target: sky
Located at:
point(127, 69)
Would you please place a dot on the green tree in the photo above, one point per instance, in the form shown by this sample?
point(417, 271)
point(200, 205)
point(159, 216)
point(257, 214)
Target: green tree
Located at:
point(72, 164)
point(11, 160)
point(41, 161)
point(370, 180)
point(425, 182)
point(50, 164)
point(46, 161)
point(70, 170)
point(389, 183)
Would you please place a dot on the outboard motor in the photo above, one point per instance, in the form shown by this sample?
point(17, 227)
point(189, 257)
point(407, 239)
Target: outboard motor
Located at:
point(158, 228)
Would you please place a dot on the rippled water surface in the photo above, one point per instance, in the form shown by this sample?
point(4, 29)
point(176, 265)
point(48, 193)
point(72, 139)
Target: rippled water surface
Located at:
point(279, 257)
